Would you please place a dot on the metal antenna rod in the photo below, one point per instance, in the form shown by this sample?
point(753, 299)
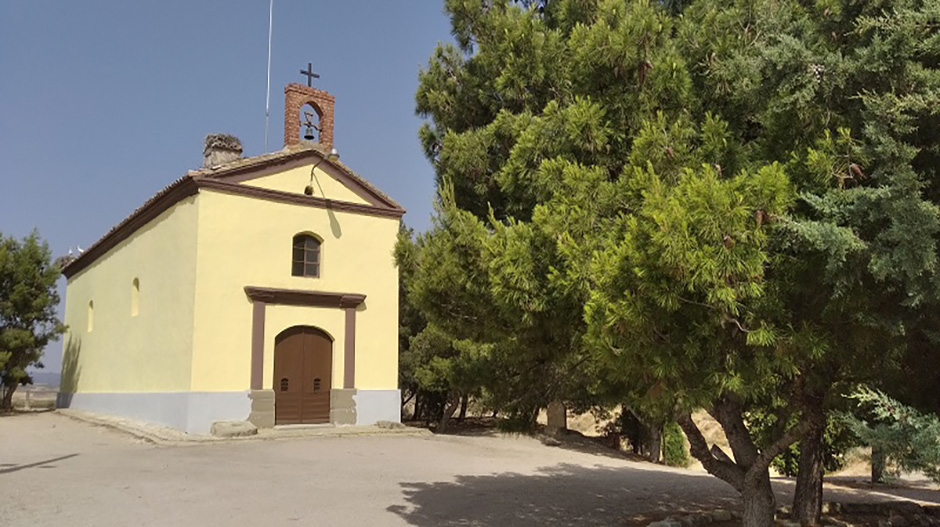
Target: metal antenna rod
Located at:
point(267, 100)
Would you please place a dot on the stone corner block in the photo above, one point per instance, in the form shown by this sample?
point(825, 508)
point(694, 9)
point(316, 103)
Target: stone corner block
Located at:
point(343, 406)
point(262, 408)
point(233, 429)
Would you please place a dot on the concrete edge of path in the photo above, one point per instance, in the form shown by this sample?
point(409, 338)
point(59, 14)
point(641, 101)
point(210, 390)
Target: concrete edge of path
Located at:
point(161, 435)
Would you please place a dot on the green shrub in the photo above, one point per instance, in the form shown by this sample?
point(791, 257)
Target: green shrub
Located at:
point(674, 452)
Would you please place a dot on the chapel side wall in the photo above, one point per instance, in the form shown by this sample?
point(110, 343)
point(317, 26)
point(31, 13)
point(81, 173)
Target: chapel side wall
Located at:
point(247, 241)
point(149, 352)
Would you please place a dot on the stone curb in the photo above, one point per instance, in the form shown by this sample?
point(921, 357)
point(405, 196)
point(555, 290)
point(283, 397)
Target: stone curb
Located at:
point(94, 419)
point(167, 436)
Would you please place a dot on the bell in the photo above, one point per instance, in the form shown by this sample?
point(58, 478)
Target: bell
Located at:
point(308, 135)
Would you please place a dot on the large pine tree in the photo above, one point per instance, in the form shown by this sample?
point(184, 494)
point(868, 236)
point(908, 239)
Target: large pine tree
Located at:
point(698, 204)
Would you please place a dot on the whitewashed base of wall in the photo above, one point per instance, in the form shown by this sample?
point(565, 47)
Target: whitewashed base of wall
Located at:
point(191, 412)
point(194, 412)
point(364, 407)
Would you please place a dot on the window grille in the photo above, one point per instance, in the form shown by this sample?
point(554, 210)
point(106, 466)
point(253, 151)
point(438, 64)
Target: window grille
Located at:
point(305, 259)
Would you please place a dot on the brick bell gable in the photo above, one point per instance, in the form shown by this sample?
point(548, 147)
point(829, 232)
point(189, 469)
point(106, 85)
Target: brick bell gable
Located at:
point(295, 97)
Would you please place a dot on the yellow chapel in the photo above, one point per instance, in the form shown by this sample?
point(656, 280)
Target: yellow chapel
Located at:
point(260, 289)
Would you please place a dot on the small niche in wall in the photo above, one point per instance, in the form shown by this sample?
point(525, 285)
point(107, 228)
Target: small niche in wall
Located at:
point(135, 297)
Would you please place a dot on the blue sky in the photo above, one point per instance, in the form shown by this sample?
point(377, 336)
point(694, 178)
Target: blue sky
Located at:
point(103, 103)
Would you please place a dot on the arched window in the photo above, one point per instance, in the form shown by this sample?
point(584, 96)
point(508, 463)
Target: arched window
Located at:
point(306, 256)
point(91, 315)
point(135, 297)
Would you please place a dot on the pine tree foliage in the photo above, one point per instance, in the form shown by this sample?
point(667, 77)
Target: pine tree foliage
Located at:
point(728, 205)
point(485, 284)
point(909, 439)
point(435, 369)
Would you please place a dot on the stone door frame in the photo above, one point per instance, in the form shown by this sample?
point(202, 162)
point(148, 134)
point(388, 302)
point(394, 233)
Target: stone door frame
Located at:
point(262, 401)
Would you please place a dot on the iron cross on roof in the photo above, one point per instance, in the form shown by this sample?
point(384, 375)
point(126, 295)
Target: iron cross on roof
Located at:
point(310, 74)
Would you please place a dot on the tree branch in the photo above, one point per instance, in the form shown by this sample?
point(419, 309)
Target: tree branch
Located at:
point(730, 416)
point(780, 445)
point(724, 469)
point(720, 455)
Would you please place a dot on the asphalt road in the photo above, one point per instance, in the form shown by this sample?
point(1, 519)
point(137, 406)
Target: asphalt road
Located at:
point(58, 472)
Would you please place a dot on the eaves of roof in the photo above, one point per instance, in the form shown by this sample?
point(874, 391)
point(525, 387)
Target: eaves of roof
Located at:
point(215, 179)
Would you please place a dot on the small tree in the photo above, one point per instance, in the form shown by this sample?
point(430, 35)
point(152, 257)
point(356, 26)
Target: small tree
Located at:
point(674, 451)
point(907, 439)
point(410, 320)
point(437, 370)
point(28, 301)
point(837, 439)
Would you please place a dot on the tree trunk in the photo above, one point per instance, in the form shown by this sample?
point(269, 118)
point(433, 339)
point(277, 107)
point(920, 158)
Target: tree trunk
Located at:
point(557, 415)
point(464, 401)
point(656, 442)
point(748, 472)
point(760, 505)
point(877, 465)
point(448, 413)
point(807, 499)
point(631, 428)
point(404, 402)
point(7, 405)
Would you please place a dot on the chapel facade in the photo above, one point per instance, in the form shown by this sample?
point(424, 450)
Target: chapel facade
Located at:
point(260, 289)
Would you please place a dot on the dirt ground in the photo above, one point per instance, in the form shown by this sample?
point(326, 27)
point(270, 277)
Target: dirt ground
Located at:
point(55, 471)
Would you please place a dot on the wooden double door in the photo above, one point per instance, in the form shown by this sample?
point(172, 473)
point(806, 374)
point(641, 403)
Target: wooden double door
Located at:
point(303, 367)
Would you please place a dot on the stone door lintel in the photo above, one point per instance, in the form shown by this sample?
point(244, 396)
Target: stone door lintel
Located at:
point(262, 296)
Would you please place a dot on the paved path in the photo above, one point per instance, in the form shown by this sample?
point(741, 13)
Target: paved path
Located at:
point(58, 472)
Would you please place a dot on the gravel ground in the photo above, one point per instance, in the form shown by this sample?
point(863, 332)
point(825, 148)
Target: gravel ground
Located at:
point(58, 472)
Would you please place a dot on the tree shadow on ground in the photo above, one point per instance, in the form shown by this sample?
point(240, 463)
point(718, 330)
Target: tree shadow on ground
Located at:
point(563, 494)
point(567, 440)
point(853, 488)
point(595, 445)
point(471, 427)
point(7, 468)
